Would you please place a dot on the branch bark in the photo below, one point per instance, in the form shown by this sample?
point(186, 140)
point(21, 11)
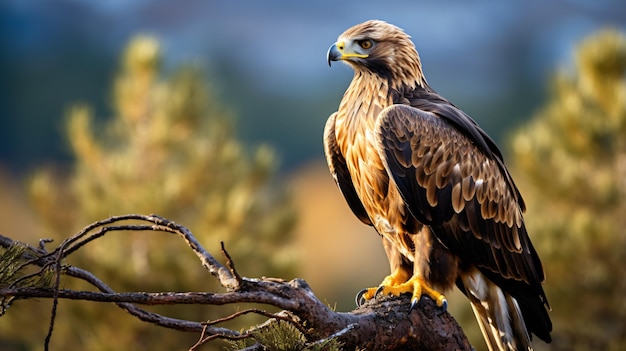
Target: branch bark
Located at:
point(381, 324)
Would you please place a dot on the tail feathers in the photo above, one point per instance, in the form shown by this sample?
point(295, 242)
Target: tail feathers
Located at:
point(498, 315)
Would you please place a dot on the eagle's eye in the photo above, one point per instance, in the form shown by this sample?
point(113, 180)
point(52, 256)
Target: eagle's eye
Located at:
point(366, 43)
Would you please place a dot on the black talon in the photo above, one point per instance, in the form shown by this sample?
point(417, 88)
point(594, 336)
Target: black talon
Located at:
point(440, 309)
point(379, 291)
point(360, 300)
point(444, 305)
point(414, 303)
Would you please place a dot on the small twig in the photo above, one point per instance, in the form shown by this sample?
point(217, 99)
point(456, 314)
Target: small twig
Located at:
point(277, 316)
point(68, 245)
point(238, 314)
point(55, 300)
point(337, 335)
point(43, 242)
point(211, 337)
point(231, 266)
point(200, 340)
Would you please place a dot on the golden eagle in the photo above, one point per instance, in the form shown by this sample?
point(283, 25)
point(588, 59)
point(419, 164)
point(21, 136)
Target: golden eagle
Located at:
point(434, 186)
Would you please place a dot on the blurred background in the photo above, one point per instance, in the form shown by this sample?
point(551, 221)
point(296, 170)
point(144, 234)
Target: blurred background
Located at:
point(211, 114)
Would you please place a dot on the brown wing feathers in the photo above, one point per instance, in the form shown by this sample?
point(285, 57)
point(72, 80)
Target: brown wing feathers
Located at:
point(339, 170)
point(450, 184)
point(427, 100)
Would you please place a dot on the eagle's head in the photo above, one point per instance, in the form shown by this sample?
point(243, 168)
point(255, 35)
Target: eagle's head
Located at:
point(382, 49)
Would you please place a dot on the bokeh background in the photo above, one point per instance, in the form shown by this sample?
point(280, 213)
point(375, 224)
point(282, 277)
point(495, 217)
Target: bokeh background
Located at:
point(76, 97)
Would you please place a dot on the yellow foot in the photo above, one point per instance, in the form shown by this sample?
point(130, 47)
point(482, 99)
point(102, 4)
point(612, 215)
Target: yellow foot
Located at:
point(399, 276)
point(416, 286)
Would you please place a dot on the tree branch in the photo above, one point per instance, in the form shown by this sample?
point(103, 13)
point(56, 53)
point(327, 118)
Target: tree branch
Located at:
point(382, 324)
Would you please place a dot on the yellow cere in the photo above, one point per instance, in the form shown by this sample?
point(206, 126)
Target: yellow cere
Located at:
point(341, 46)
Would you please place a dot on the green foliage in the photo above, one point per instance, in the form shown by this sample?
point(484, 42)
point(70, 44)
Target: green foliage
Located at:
point(278, 335)
point(170, 149)
point(570, 162)
point(15, 270)
point(11, 264)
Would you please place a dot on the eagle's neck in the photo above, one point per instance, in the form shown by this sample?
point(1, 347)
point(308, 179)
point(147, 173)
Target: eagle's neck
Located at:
point(408, 76)
point(366, 97)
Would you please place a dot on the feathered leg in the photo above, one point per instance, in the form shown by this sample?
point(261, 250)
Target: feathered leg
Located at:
point(406, 276)
point(400, 268)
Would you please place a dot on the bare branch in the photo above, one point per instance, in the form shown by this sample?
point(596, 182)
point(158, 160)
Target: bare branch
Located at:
point(383, 324)
point(224, 276)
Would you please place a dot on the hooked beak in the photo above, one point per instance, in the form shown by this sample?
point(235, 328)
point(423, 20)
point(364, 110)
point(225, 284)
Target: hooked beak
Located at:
point(333, 54)
point(337, 52)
